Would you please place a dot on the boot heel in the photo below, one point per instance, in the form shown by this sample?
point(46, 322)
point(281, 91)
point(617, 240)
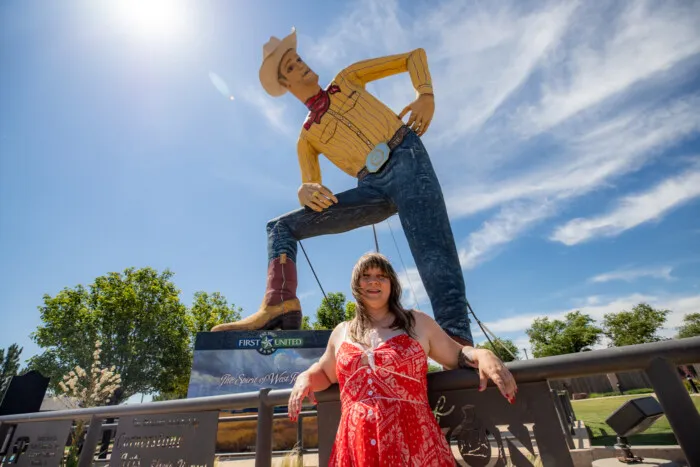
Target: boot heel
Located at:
point(291, 321)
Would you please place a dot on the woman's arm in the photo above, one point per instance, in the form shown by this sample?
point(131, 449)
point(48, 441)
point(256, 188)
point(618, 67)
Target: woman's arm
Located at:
point(317, 378)
point(322, 373)
point(450, 354)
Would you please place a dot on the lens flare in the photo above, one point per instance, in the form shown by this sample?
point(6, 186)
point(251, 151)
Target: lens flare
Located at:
point(220, 85)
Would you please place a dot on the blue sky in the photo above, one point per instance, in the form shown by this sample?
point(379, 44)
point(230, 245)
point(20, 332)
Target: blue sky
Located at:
point(566, 138)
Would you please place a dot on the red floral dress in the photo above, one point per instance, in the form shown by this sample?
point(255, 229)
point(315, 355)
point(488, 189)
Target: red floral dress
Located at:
point(386, 418)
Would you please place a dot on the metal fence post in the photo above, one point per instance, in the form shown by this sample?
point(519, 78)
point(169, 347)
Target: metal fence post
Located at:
point(678, 407)
point(563, 419)
point(300, 434)
point(263, 442)
point(328, 416)
point(569, 408)
point(93, 435)
point(6, 434)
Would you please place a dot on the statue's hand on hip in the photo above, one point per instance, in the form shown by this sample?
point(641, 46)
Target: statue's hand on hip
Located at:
point(422, 110)
point(316, 196)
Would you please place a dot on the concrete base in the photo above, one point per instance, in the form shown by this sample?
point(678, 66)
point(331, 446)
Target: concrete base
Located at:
point(587, 457)
point(580, 436)
point(645, 463)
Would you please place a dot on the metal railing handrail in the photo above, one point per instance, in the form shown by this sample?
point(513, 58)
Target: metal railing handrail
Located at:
point(240, 401)
point(611, 360)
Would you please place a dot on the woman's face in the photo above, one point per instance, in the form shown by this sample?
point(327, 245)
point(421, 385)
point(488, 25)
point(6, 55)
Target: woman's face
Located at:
point(376, 288)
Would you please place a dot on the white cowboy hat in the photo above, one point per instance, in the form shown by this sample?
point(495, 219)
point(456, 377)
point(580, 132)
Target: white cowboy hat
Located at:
point(273, 51)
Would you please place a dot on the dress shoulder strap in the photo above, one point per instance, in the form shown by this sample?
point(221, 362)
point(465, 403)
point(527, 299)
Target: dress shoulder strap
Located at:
point(345, 332)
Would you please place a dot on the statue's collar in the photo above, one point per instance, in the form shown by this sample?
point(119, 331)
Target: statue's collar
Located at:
point(319, 104)
point(321, 98)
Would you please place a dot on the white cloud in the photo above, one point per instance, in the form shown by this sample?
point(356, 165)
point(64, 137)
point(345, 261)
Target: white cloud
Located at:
point(414, 293)
point(609, 150)
point(307, 294)
point(633, 210)
point(508, 224)
point(611, 53)
point(593, 158)
point(679, 307)
point(272, 108)
point(484, 55)
point(369, 28)
point(629, 275)
point(593, 150)
point(514, 327)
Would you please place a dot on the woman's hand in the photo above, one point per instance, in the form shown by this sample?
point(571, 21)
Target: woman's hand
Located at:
point(491, 367)
point(301, 390)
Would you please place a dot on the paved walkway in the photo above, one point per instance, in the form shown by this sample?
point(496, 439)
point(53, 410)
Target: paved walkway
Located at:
point(624, 395)
point(310, 460)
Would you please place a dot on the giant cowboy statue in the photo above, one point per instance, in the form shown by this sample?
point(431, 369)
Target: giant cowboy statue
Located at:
point(367, 140)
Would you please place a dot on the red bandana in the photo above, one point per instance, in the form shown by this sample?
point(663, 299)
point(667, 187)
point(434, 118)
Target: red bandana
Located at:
point(318, 105)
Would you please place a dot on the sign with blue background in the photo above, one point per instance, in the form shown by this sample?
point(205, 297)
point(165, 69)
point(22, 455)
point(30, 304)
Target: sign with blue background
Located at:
point(245, 361)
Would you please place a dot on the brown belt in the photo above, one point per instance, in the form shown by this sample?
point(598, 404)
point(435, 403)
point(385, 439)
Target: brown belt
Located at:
point(392, 143)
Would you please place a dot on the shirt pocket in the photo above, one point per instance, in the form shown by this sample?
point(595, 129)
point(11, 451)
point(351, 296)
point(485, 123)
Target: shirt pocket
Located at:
point(349, 103)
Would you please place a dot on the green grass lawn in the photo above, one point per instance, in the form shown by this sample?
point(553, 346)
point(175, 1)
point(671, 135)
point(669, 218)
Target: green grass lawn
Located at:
point(593, 412)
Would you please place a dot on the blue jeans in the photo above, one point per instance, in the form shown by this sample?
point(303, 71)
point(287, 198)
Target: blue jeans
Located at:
point(407, 184)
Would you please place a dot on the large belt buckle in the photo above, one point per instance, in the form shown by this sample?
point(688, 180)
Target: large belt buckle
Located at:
point(377, 157)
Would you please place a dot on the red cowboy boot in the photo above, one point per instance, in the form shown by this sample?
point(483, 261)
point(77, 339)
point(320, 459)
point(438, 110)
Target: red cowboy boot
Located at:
point(280, 308)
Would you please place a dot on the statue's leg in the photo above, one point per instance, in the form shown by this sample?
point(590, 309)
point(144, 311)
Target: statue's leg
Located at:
point(280, 308)
point(415, 189)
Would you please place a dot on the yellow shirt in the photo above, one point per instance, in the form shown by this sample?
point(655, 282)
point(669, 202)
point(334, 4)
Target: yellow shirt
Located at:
point(356, 121)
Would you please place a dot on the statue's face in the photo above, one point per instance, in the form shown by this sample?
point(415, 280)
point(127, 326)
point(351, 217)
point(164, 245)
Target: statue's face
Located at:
point(296, 73)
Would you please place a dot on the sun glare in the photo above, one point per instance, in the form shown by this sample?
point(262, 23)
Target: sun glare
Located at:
point(160, 20)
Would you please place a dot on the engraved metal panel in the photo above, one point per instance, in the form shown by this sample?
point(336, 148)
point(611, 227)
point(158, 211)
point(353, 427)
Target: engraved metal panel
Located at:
point(487, 430)
point(166, 440)
point(38, 444)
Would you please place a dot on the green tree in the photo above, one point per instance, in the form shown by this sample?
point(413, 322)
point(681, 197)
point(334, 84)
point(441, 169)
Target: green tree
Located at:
point(9, 363)
point(691, 326)
point(136, 315)
point(555, 337)
point(350, 308)
point(209, 310)
point(306, 324)
point(500, 351)
point(9, 366)
point(331, 312)
point(634, 327)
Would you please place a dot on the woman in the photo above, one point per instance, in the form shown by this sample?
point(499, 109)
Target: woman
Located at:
point(379, 360)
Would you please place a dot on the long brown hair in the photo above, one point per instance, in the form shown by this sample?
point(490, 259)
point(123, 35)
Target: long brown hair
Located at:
point(403, 319)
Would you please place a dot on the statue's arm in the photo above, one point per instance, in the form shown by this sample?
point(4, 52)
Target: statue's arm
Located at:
point(414, 62)
point(308, 162)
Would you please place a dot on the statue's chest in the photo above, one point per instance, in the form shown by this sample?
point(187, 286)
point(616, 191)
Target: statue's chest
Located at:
point(341, 112)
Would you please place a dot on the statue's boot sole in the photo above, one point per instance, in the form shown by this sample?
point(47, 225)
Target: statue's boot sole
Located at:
point(289, 321)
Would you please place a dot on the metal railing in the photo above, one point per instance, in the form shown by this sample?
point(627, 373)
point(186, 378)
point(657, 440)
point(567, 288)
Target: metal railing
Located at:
point(456, 387)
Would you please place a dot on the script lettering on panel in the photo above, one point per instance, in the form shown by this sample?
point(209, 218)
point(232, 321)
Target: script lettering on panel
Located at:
point(246, 361)
point(166, 440)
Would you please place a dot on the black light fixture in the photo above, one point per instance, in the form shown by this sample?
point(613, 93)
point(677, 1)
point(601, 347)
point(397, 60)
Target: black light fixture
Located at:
point(634, 416)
